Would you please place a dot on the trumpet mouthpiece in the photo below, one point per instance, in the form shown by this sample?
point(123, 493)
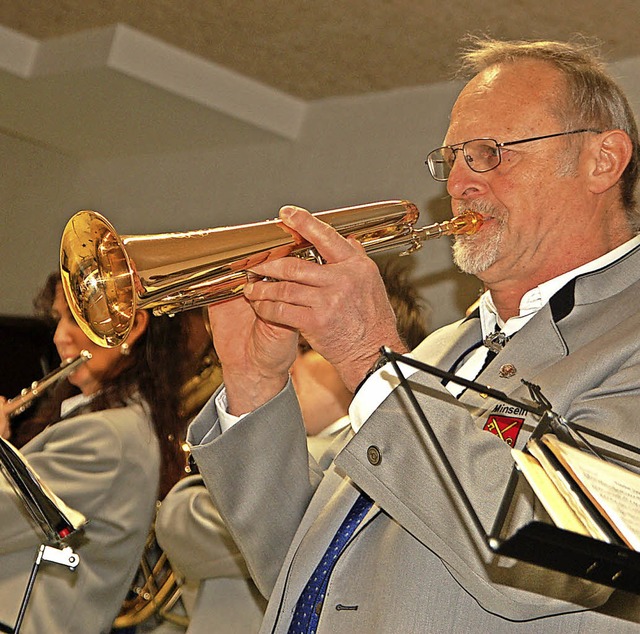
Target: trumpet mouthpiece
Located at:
point(467, 223)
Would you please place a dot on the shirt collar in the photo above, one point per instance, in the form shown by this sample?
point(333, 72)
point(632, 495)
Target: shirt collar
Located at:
point(533, 300)
point(74, 403)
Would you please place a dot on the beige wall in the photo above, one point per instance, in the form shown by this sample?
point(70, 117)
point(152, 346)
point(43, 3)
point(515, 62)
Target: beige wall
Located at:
point(35, 187)
point(348, 151)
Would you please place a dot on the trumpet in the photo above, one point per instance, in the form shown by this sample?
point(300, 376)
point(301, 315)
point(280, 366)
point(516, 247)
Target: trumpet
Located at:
point(107, 277)
point(19, 404)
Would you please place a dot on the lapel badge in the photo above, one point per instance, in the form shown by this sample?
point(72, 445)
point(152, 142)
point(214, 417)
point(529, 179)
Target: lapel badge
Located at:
point(507, 371)
point(506, 428)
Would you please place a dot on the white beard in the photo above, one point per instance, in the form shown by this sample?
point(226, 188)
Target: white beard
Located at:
point(476, 253)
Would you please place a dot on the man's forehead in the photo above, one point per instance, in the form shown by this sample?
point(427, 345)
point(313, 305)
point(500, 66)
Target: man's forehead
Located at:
point(504, 100)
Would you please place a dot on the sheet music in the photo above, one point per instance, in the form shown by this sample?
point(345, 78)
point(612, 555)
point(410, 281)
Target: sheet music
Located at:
point(612, 488)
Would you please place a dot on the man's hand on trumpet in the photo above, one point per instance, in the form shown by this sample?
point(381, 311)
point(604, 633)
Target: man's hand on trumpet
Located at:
point(341, 307)
point(255, 355)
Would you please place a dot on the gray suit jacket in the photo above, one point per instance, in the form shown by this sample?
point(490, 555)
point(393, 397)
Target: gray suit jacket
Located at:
point(105, 465)
point(416, 564)
point(191, 532)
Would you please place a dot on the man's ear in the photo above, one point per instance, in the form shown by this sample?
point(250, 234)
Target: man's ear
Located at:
point(611, 155)
point(140, 324)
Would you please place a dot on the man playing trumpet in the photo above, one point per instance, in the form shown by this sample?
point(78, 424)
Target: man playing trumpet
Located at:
point(543, 144)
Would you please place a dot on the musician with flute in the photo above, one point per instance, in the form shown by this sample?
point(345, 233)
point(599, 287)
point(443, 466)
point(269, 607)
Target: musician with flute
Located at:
point(105, 441)
point(543, 144)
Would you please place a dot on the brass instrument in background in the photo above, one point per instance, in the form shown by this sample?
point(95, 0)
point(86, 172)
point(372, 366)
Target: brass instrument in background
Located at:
point(19, 404)
point(106, 277)
point(155, 595)
point(154, 591)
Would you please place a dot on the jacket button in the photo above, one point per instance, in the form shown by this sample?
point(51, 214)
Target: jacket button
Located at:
point(507, 371)
point(374, 456)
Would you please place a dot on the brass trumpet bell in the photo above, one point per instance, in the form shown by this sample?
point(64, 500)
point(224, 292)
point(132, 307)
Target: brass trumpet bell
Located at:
point(107, 277)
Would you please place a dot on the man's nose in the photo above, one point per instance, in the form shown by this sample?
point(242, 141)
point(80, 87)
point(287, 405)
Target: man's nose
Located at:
point(463, 182)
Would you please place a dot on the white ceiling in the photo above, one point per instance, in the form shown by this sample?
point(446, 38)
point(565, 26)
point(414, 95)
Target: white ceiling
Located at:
point(100, 78)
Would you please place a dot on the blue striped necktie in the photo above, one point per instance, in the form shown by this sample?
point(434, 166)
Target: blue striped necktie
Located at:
point(307, 612)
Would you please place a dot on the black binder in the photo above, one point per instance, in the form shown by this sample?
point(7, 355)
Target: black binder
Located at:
point(45, 510)
point(546, 545)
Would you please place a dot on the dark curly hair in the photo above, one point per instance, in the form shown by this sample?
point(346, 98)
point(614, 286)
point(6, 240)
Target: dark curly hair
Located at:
point(412, 314)
point(152, 373)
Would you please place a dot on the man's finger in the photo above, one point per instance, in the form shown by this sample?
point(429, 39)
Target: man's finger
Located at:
point(283, 314)
point(282, 292)
point(287, 269)
point(329, 243)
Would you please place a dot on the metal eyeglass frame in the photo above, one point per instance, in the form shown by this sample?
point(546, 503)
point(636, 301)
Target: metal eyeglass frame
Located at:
point(459, 147)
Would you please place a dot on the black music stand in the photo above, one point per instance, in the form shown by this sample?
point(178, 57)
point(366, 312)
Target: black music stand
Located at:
point(56, 522)
point(546, 545)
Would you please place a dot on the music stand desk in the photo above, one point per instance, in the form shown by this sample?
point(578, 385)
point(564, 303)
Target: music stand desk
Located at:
point(539, 543)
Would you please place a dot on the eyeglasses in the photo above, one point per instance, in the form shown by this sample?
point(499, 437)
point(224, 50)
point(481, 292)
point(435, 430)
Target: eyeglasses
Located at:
point(481, 155)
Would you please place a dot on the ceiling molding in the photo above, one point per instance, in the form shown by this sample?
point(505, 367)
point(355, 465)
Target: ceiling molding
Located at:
point(122, 49)
point(17, 52)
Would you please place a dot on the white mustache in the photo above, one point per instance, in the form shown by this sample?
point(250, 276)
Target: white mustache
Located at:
point(486, 209)
point(483, 207)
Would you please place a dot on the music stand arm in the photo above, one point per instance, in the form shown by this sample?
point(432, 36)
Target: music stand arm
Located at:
point(444, 460)
point(536, 408)
point(64, 556)
point(539, 543)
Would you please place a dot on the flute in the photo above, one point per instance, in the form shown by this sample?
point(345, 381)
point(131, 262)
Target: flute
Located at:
point(17, 405)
